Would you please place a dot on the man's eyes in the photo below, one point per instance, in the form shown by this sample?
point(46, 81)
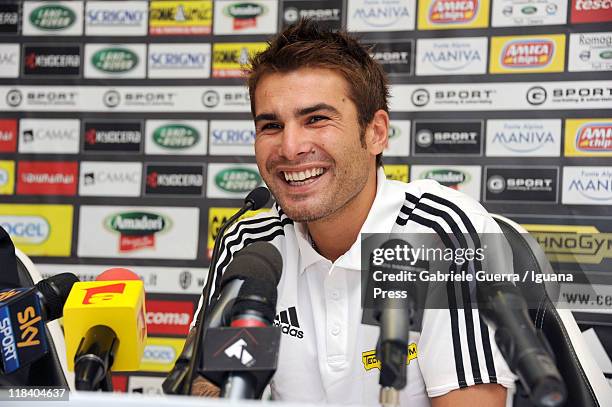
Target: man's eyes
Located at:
point(317, 118)
point(271, 126)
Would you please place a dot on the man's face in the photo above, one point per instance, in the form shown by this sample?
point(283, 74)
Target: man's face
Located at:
point(307, 143)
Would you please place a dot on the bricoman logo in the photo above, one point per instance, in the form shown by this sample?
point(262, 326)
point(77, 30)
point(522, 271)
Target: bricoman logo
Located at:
point(26, 230)
point(179, 60)
point(238, 180)
point(448, 177)
point(527, 53)
point(137, 230)
point(113, 136)
point(244, 14)
point(452, 11)
point(53, 17)
point(52, 60)
point(595, 137)
point(176, 136)
point(287, 320)
point(114, 60)
point(232, 137)
point(182, 180)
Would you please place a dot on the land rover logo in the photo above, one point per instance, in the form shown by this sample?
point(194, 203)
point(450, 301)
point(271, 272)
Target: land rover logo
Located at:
point(52, 17)
point(424, 138)
point(527, 10)
point(607, 54)
point(114, 60)
point(238, 179)
point(496, 184)
point(447, 177)
point(244, 10)
point(137, 223)
point(176, 136)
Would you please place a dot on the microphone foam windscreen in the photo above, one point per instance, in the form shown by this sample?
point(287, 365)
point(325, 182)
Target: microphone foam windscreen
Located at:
point(259, 260)
point(258, 198)
point(55, 290)
point(256, 295)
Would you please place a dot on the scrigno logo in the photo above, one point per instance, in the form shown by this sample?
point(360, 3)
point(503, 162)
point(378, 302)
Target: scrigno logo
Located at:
point(232, 137)
point(137, 230)
point(179, 60)
point(26, 229)
point(116, 18)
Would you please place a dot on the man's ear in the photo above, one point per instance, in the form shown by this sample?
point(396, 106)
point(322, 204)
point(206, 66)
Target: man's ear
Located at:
point(378, 132)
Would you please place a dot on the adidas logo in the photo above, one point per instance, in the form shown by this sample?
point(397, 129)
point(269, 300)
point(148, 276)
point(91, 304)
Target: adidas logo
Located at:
point(288, 321)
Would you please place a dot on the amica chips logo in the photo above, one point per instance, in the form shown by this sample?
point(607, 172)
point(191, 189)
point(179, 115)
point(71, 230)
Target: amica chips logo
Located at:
point(114, 60)
point(588, 137)
point(176, 136)
point(453, 11)
point(237, 179)
point(137, 229)
point(527, 53)
point(52, 17)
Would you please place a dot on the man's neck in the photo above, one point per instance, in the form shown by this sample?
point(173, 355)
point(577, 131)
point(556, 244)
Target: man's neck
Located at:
point(334, 235)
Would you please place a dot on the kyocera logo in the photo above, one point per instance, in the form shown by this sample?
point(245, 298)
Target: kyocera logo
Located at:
point(159, 354)
point(527, 53)
point(26, 229)
point(176, 136)
point(52, 17)
point(595, 137)
point(453, 11)
point(114, 60)
point(447, 177)
point(237, 179)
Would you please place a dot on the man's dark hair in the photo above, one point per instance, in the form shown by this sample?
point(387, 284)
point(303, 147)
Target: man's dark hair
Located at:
point(306, 45)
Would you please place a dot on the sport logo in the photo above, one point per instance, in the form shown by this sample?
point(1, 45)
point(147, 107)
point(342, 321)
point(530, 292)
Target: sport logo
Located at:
point(244, 14)
point(287, 320)
point(594, 137)
point(453, 11)
point(114, 60)
point(176, 136)
point(137, 229)
point(53, 17)
point(237, 179)
point(447, 177)
point(527, 53)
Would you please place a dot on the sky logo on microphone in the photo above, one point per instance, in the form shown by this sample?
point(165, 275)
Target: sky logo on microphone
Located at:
point(288, 322)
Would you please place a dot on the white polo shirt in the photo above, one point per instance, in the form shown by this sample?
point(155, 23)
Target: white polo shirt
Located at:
point(326, 354)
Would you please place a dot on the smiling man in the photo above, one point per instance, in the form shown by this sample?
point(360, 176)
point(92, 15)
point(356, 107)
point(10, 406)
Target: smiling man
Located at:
point(320, 107)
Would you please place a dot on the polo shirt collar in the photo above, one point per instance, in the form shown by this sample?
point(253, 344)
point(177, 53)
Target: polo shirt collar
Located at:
point(379, 220)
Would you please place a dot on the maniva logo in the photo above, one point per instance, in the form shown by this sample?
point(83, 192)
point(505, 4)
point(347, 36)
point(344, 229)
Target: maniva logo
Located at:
point(594, 137)
point(176, 136)
point(244, 14)
point(52, 17)
point(137, 229)
point(114, 60)
point(447, 177)
point(238, 179)
point(453, 11)
point(527, 53)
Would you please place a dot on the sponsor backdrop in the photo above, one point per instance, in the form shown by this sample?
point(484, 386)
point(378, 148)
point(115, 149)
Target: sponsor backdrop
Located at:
point(126, 139)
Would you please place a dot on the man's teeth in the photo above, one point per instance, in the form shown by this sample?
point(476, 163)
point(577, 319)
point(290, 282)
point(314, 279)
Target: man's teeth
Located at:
point(303, 175)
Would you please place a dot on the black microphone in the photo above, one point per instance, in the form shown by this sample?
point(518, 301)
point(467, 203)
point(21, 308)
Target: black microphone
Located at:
point(394, 316)
point(520, 345)
point(23, 315)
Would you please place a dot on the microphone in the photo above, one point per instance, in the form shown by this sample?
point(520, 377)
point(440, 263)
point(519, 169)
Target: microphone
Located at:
point(247, 306)
point(520, 345)
point(394, 316)
point(104, 325)
point(181, 377)
point(23, 315)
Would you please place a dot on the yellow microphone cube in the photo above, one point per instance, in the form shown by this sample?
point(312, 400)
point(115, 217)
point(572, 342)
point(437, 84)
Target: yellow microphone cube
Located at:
point(118, 305)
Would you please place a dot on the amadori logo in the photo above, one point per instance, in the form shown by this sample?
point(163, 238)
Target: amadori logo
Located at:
point(26, 229)
point(46, 178)
point(137, 230)
point(447, 177)
point(527, 53)
point(594, 137)
point(52, 17)
point(176, 136)
point(245, 14)
point(452, 11)
point(114, 60)
point(237, 179)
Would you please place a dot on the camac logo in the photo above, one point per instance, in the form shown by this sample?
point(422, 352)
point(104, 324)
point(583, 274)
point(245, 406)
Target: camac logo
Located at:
point(527, 53)
point(103, 293)
point(26, 229)
point(447, 177)
point(244, 15)
point(588, 137)
point(137, 229)
point(452, 11)
point(237, 180)
point(52, 17)
point(114, 60)
point(176, 136)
